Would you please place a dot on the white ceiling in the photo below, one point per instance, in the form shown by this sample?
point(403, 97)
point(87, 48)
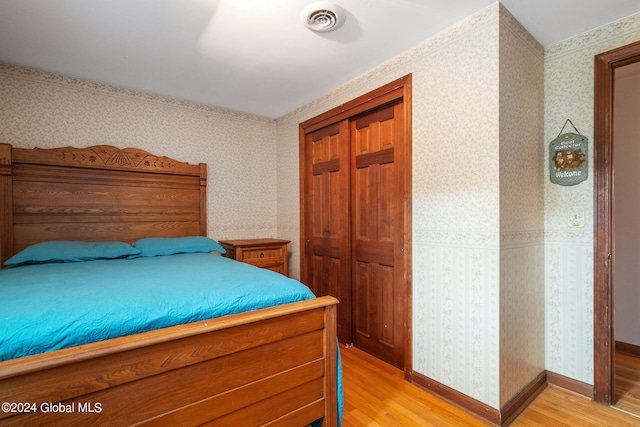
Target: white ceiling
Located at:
point(259, 58)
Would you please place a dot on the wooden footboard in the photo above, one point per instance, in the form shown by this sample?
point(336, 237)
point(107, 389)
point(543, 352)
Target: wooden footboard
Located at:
point(275, 366)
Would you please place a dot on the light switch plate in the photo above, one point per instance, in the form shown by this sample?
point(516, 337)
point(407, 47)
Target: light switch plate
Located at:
point(576, 216)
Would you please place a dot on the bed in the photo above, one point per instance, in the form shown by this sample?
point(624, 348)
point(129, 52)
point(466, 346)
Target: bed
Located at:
point(276, 365)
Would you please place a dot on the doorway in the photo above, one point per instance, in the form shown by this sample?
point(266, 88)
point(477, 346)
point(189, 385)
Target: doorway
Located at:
point(604, 337)
point(626, 237)
point(355, 201)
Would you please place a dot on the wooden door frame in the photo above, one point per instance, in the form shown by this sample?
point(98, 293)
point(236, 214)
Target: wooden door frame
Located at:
point(604, 340)
point(399, 88)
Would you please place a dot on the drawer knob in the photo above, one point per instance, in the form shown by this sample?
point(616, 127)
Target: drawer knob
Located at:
point(261, 254)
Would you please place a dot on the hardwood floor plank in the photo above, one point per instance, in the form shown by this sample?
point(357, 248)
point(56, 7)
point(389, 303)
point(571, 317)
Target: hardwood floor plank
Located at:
point(376, 395)
point(559, 407)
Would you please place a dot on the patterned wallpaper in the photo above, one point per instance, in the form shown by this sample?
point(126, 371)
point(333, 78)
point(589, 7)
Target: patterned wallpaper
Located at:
point(569, 251)
point(46, 110)
point(521, 208)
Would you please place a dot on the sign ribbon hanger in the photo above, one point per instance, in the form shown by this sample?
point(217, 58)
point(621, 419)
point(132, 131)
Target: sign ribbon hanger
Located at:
point(571, 123)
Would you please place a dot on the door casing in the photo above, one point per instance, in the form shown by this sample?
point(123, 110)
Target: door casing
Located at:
point(604, 341)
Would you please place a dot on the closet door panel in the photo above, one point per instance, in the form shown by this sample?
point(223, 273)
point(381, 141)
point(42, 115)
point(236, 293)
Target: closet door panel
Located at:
point(327, 282)
point(326, 201)
point(373, 327)
point(365, 294)
point(376, 218)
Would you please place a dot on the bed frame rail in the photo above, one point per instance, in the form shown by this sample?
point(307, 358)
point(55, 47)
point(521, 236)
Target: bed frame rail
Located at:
point(268, 367)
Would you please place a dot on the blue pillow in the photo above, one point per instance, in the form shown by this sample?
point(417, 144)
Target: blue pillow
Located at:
point(155, 246)
point(71, 251)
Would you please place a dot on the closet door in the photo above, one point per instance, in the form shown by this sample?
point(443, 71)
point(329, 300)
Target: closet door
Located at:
point(378, 233)
point(325, 217)
point(355, 213)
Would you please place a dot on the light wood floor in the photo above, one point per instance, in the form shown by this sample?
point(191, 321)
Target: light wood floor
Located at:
point(376, 395)
point(627, 386)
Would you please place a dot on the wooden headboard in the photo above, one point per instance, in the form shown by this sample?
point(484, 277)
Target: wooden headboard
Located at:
point(97, 193)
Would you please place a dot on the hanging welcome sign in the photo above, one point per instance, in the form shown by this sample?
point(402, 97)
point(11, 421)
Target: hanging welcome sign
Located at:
point(568, 158)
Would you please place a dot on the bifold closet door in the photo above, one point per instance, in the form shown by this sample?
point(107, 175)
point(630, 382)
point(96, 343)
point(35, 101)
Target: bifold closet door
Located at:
point(326, 218)
point(355, 215)
point(377, 227)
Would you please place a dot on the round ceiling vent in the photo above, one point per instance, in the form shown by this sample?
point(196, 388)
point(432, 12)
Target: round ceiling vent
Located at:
point(323, 16)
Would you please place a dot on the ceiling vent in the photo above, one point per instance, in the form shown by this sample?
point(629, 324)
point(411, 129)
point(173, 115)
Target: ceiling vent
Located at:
point(323, 16)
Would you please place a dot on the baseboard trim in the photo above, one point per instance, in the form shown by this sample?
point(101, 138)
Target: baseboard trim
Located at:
point(458, 399)
point(514, 407)
point(628, 349)
point(522, 399)
point(570, 384)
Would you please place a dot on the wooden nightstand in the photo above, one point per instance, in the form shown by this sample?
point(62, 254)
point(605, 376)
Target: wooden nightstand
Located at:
point(264, 253)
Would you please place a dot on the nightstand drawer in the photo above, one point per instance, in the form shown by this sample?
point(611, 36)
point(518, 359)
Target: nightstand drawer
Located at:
point(271, 254)
point(261, 255)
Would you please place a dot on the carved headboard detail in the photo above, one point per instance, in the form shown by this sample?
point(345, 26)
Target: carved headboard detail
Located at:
point(96, 193)
point(110, 157)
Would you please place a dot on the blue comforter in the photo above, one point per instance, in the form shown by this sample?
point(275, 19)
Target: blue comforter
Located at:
point(46, 307)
